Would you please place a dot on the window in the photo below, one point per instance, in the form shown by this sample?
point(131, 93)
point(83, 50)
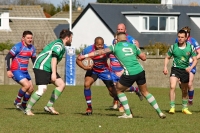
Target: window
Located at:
point(159, 24)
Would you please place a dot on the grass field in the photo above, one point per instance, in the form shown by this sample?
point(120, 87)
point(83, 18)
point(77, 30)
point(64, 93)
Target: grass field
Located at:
point(72, 119)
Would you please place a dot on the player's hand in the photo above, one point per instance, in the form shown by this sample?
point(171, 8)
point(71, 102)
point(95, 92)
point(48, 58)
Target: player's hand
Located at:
point(165, 71)
point(81, 57)
point(9, 74)
point(137, 43)
point(53, 77)
point(88, 68)
point(188, 69)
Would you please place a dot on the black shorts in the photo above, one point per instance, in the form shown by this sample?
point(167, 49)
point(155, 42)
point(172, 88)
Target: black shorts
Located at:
point(128, 80)
point(181, 74)
point(43, 77)
point(108, 83)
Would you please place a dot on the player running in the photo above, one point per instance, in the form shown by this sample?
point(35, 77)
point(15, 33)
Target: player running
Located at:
point(196, 45)
point(181, 53)
point(45, 69)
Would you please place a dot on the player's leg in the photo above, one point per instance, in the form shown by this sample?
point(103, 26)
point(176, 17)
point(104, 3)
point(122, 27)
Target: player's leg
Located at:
point(29, 91)
point(184, 85)
point(137, 91)
point(60, 86)
point(174, 78)
point(125, 82)
point(27, 95)
point(123, 99)
point(115, 79)
point(20, 78)
point(141, 82)
point(191, 87)
point(90, 78)
point(42, 78)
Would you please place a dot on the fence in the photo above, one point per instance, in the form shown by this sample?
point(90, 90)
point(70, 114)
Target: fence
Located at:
point(153, 67)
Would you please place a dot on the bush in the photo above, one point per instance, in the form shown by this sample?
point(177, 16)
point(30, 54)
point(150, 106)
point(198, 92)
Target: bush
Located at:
point(6, 45)
point(151, 48)
point(79, 50)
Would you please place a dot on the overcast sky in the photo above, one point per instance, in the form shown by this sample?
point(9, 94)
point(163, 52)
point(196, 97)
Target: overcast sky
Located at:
point(85, 2)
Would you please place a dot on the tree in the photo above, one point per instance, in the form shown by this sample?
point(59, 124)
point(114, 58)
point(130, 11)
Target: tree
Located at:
point(129, 1)
point(64, 5)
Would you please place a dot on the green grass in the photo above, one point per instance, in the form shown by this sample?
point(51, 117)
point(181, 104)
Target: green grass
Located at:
point(72, 119)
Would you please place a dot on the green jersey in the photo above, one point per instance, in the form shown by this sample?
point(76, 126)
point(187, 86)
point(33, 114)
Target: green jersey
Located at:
point(127, 54)
point(181, 56)
point(43, 60)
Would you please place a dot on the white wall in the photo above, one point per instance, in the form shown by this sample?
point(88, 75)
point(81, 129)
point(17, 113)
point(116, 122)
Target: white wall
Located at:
point(5, 21)
point(135, 21)
point(196, 20)
point(89, 27)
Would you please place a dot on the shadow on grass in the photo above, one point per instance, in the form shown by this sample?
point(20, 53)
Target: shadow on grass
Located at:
point(10, 108)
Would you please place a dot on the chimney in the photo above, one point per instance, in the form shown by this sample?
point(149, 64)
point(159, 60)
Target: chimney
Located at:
point(168, 3)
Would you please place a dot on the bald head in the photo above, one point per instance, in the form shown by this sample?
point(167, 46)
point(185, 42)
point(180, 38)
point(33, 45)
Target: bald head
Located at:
point(121, 36)
point(121, 28)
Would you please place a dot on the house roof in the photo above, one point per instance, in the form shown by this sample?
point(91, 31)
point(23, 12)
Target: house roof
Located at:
point(62, 14)
point(113, 14)
point(41, 29)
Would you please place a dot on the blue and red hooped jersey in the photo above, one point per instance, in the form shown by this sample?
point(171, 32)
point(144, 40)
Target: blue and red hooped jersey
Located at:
point(100, 62)
point(115, 66)
point(21, 55)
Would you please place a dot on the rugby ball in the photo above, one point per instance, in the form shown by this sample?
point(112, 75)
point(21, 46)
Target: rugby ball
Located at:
point(87, 62)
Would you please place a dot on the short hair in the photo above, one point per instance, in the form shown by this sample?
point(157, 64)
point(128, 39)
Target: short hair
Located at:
point(121, 33)
point(182, 32)
point(98, 38)
point(27, 32)
point(65, 33)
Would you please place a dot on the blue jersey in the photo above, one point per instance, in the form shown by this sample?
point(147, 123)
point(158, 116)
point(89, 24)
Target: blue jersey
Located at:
point(21, 55)
point(100, 62)
point(115, 66)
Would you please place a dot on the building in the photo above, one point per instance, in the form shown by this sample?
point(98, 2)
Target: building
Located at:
point(145, 22)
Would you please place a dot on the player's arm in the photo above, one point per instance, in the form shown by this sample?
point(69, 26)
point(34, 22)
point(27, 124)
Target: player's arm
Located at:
point(194, 57)
point(139, 53)
point(33, 57)
point(166, 61)
point(95, 53)
point(142, 56)
point(167, 58)
point(198, 53)
point(137, 43)
point(194, 63)
point(54, 66)
point(80, 64)
point(7, 60)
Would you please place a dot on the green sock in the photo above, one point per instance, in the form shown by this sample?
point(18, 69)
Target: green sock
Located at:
point(124, 101)
point(34, 98)
point(55, 94)
point(172, 104)
point(150, 98)
point(184, 103)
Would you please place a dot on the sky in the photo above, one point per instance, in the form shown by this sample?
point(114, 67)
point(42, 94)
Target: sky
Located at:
point(85, 2)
